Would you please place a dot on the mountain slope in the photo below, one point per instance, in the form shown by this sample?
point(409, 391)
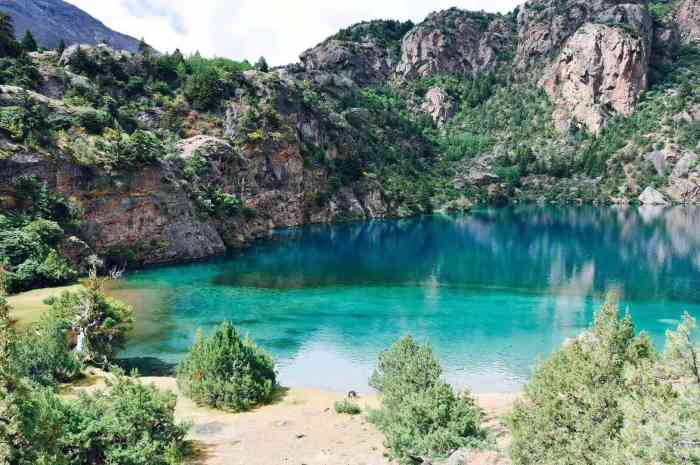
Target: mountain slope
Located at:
point(53, 20)
point(161, 158)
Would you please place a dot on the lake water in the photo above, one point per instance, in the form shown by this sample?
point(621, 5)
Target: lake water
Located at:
point(491, 291)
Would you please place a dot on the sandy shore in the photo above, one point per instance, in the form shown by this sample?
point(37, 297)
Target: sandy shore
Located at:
point(27, 307)
point(301, 427)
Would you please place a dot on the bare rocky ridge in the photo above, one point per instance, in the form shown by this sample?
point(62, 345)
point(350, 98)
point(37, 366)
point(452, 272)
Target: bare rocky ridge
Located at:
point(455, 41)
point(54, 20)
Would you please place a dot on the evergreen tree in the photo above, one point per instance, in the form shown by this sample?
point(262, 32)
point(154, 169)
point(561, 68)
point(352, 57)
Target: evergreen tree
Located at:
point(8, 44)
point(61, 47)
point(28, 42)
point(261, 65)
point(144, 48)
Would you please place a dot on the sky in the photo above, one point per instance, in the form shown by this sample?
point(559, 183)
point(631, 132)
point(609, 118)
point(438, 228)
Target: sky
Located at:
point(279, 30)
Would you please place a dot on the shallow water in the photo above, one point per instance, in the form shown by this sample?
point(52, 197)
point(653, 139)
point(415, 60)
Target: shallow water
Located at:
point(491, 291)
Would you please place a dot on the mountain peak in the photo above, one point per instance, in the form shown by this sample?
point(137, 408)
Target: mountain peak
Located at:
point(53, 20)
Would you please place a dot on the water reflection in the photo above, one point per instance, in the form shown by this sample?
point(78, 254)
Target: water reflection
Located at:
point(491, 291)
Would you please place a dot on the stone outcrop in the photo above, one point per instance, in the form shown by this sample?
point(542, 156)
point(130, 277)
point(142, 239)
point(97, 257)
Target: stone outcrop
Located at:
point(545, 25)
point(651, 196)
point(439, 105)
point(687, 19)
point(601, 70)
point(364, 63)
point(455, 41)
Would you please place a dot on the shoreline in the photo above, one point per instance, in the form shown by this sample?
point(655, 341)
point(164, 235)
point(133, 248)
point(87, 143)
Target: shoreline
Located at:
point(299, 426)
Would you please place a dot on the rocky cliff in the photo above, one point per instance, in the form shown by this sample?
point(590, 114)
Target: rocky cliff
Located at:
point(168, 158)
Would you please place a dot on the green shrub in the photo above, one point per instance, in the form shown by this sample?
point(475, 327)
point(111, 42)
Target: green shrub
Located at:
point(227, 371)
point(44, 355)
point(20, 72)
point(421, 415)
point(128, 424)
point(100, 323)
point(94, 121)
point(571, 411)
point(26, 122)
point(347, 406)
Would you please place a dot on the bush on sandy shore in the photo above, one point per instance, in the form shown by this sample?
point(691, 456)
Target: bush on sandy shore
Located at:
point(347, 406)
point(421, 415)
point(608, 397)
point(227, 371)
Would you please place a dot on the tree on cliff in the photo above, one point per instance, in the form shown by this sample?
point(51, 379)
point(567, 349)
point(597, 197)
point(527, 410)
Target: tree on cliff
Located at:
point(28, 42)
point(8, 43)
point(261, 65)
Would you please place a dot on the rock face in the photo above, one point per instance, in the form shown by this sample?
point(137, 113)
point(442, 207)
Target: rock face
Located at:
point(651, 196)
point(544, 25)
point(61, 20)
point(364, 63)
point(455, 41)
point(439, 105)
point(601, 70)
point(366, 52)
point(687, 18)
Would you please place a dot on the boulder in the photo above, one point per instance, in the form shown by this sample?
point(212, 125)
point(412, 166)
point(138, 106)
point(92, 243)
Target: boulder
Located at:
point(459, 457)
point(601, 70)
point(683, 190)
point(439, 105)
point(651, 196)
point(687, 19)
point(684, 164)
point(455, 41)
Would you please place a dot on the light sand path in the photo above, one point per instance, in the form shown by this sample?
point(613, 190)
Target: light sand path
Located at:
point(300, 428)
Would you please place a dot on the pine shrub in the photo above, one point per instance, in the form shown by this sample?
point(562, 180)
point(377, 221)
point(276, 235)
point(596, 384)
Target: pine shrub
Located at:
point(421, 415)
point(227, 371)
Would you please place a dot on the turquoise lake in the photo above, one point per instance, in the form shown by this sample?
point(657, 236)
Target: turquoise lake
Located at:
point(491, 291)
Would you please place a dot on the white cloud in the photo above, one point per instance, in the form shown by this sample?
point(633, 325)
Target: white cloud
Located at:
point(276, 29)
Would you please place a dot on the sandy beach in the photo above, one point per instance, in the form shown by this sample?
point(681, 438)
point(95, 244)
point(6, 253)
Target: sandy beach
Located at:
point(301, 428)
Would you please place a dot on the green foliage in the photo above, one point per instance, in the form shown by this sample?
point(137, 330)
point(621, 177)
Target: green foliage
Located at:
point(261, 65)
point(30, 237)
point(8, 44)
point(44, 355)
point(28, 43)
point(130, 423)
point(385, 33)
point(119, 150)
point(227, 371)
point(94, 121)
point(421, 415)
point(210, 81)
point(347, 406)
point(100, 323)
point(572, 411)
point(660, 10)
point(26, 122)
point(20, 71)
point(61, 47)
